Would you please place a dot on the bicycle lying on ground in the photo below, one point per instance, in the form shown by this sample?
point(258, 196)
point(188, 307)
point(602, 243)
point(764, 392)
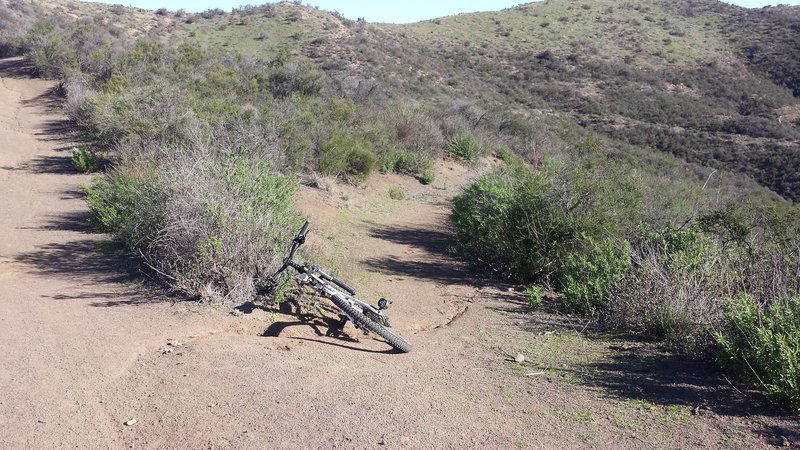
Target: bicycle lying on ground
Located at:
point(364, 316)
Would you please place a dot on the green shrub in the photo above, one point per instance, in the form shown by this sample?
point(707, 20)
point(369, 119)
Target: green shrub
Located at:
point(127, 204)
point(427, 177)
point(533, 295)
point(588, 277)
point(509, 223)
point(463, 146)
point(50, 53)
point(346, 155)
point(514, 124)
point(292, 77)
point(524, 224)
point(763, 344)
point(86, 160)
point(203, 218)
point(158, 110)
point(396, 193)
point(675, 291)
point(407, 162)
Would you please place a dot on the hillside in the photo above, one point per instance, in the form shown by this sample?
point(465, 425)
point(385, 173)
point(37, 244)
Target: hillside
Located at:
point(707, 82)
point(695, 82)
point(710, 83)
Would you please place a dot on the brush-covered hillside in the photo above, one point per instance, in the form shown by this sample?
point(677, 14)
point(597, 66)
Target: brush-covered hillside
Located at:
point(711, 83)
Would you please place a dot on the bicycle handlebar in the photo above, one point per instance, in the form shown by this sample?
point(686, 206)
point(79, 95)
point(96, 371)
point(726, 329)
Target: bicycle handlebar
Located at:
point(299, 240)
point(336, 281)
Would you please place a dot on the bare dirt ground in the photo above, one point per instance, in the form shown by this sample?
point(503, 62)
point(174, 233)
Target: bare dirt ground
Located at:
point(83, 343)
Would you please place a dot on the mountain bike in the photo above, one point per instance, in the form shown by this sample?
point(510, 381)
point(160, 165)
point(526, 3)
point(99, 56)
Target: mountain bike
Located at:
point(364, 316)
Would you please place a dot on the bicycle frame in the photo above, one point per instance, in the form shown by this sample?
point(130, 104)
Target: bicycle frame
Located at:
point(320, 280)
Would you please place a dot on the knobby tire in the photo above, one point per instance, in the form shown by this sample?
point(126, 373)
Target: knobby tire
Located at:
point(389, 335)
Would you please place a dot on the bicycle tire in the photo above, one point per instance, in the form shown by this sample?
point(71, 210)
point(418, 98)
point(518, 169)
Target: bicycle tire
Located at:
point(390, 336)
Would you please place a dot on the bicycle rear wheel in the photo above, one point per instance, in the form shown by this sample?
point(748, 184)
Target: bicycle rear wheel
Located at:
point(389, 335)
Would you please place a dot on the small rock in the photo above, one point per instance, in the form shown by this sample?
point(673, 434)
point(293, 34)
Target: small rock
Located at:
point(131, 422)
point(785, 442)
point(166, 350)
point(41, 421)
point(236, 313)
point(175, 344)
point(510, 289)
point(520, 358)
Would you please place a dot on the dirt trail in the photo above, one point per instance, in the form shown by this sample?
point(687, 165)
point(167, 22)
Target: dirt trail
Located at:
point(82, 345)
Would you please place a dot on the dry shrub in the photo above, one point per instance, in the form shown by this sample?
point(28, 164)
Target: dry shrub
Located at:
point(666, 300)
point(78, 90)
point(459, 117)
point(205, 218)
point(416, 128)
point(158, 110)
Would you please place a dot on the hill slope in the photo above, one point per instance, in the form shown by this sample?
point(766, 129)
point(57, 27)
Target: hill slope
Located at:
point(707, 82)
point(704, 81)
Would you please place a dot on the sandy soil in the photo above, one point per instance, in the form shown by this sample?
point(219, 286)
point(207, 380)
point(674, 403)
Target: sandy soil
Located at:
point(83, 344)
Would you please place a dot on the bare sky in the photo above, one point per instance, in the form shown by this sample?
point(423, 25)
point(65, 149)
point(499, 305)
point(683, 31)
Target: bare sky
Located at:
point(395, 11)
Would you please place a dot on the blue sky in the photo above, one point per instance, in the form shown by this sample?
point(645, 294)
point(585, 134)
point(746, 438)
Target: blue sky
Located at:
point(396, 11)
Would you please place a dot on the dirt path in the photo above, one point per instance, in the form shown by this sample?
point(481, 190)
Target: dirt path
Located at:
point(82, 345)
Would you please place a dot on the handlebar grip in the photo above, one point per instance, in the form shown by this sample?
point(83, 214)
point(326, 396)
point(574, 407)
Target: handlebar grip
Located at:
point(304, 229)
point(298, 240)
point(342, 285)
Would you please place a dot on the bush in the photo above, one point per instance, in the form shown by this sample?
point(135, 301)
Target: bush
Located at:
point(763, 345)
point(346, 155)
point(508, 222)
point(533, 295)
point(395, 193)
point(589, 276)
point(415, 128)
point(463, 146)
point(292, 77)
point(427, 176)
point(48, 49)
point(524, 224)
point(407, 162)
point(86, 160)
point(675, 291)
point(155, 111)
point(204, 219)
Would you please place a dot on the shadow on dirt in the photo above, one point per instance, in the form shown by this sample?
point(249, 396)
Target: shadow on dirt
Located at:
point(90, 258)
point(435, 242)
point(51, 101)
point(630, 368)
point(642, 373)
point(321, 326)
point(94, 261)
point(432, 263)
point(16, 68)
point(46, 164)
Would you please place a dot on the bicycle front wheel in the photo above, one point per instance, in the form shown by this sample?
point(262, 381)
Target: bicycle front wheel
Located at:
point(388, 334)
